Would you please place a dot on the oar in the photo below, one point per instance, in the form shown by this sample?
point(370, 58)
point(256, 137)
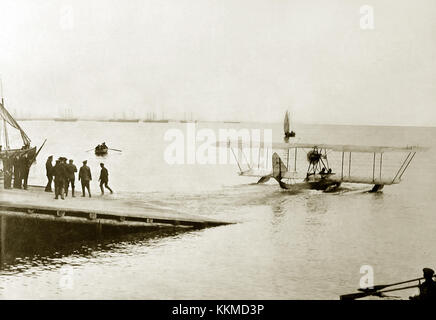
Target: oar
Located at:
point(354, 296)
point(397, 289)
point(375, 291)
point(382, 286)
point(90, 150)
point(115, 150)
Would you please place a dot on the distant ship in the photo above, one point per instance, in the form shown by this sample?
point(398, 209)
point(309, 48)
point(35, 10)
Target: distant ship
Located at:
point(151, 117)
point(124, 119)
point(67, 116)
point(188, 121)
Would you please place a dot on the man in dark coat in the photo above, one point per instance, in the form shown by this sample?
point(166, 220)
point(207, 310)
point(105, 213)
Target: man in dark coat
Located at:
point(85, 177)
point(49, 173)
point(71, 169)
point(60, 175)
point(104, 179)
point(427, 289)
point(17, 172)
point(26, 163)
point(7, 169)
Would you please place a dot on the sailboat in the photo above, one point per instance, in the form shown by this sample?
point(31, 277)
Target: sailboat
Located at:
point(66, 116)
point(188, 121)
point(151, 117)
point(25, 155)
point(124, 119)
point(286, 127)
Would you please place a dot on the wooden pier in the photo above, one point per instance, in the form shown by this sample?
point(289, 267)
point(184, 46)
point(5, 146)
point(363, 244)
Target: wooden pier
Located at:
point(37, 204)
point(31, 221)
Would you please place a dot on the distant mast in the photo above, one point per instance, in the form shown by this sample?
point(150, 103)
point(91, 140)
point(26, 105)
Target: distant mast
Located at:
point(5, 128)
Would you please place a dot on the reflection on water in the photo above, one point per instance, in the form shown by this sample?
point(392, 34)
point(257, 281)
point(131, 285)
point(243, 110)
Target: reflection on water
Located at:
point(48, 247)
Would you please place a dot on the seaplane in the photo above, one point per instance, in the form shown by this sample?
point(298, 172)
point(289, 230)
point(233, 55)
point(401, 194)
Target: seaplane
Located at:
point(322, 174)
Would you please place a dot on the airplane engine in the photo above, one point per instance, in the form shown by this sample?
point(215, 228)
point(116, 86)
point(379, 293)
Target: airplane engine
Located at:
point(313, 156)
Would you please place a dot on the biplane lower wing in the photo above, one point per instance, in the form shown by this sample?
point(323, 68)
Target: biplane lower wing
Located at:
point(362, 180)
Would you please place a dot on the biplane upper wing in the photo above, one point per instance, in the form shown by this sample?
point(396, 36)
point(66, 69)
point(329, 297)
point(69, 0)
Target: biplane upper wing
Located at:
point(333, 147)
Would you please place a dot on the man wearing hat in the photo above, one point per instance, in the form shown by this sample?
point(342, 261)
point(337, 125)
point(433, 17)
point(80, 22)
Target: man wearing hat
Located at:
point(7, 169)
point(60, 175)
point(17, 172)
point(49, 173)
point(104, 179)
point(26, 163)
point(427, 289)
point(85, 177)
point(71, 169)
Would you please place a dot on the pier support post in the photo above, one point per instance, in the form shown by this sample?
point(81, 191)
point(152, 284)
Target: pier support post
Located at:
point(98, 229)
point(2, 240)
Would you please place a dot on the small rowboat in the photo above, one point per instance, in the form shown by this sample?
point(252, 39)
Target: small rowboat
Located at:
point(101, 151)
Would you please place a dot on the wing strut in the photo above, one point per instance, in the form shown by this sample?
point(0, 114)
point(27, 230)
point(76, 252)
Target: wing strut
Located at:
point(404, 170)
point(295, 160)
point(404, 166)
point(373, 169)
point(237, 161)
point(381, 162)
point(342, 171)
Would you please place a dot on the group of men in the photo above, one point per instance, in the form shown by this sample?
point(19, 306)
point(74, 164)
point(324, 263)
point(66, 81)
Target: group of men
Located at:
point(63, 174)
point(16, 167)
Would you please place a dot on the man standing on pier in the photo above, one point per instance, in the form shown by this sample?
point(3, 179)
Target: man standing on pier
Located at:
point(17, 172)
point(7, 169)
point(85, 177)
point(49, 173)
point(71, 169)
point(104, 179)
point(60, 176)
point(26, 163)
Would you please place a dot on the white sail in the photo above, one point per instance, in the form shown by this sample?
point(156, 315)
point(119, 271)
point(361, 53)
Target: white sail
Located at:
point(286, 123)
point(7, 119)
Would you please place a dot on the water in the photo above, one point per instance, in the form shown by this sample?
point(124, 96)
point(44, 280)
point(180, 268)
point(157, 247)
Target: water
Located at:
point(308, 245)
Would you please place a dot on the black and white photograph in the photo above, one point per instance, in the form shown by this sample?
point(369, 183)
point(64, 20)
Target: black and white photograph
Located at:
point(219, 150)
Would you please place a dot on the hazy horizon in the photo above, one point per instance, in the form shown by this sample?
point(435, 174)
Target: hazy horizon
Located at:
point(221, 60)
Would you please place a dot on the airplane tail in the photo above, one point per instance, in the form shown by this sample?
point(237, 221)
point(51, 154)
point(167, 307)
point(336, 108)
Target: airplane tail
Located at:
point(278, 167)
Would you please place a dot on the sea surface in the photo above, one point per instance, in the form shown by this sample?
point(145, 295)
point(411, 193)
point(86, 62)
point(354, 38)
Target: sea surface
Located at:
point(286, 245)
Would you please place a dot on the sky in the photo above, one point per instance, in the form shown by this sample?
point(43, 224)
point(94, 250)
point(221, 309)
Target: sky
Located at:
point(241, 60)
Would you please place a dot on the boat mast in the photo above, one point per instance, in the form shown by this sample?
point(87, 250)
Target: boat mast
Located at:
point(7, 118)
point(5, 128)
